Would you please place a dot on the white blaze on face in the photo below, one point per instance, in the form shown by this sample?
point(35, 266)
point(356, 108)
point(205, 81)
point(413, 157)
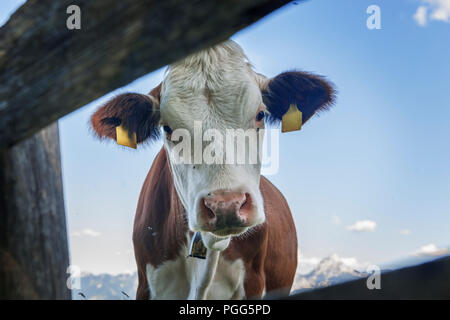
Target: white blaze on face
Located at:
point(206, 96)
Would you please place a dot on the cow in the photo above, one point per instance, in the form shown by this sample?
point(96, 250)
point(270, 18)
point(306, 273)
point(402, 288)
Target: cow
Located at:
point(244, 222)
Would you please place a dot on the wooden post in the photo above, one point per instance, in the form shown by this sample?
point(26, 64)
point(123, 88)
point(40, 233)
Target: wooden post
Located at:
point(33, 239)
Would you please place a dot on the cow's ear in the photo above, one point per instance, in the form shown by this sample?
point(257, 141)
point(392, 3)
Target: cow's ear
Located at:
point(137, 113)
point(309, 92)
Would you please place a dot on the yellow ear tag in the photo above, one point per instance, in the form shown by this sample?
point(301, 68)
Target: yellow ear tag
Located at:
point(292, 119)
point(123, 137)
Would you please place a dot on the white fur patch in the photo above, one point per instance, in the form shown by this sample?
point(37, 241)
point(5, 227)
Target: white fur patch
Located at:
point(218, 87)
point(180, 279)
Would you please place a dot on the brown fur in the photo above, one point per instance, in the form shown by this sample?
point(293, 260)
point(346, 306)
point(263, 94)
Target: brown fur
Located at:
point(156, 91)
point(269, 251)
point(134, 111)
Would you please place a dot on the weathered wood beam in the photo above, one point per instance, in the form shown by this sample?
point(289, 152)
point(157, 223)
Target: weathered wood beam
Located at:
point(426, 281)
point(47, 71)
point(33, 241)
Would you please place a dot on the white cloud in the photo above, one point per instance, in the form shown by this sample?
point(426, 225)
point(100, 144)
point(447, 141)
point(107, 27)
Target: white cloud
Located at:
point(363, 226)
point(431, 250)
point(351, 261)
point(336, 220)
point(438, 10)
point(441, 10)
point(405, 232)
point(306, 264)
point(86, 232)
point(309, 261)
point(421, 16)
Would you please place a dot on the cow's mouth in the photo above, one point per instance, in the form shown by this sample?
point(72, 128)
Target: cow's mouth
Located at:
point(235, 231)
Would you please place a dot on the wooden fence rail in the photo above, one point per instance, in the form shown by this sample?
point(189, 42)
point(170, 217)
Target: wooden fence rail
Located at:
point(47, 70)
point(426, 281)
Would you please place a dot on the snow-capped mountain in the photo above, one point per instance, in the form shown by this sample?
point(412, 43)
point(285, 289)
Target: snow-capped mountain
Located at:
point(106, 287)
point(329, 271)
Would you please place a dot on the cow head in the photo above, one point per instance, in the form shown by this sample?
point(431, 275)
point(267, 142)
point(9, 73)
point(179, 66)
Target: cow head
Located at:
point(203, 100)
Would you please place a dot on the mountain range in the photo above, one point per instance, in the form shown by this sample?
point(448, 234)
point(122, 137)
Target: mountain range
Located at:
point(106, 287)
point(328, 271)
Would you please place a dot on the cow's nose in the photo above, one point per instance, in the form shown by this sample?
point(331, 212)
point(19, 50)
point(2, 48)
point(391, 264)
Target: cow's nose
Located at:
point(225, 209)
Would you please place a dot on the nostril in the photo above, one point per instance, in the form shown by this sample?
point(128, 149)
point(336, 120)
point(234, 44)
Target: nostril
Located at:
point(246, 205)
point(207, 209)
point(244, 199)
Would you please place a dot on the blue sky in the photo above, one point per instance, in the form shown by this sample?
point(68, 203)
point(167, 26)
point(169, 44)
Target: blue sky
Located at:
point(382, 153)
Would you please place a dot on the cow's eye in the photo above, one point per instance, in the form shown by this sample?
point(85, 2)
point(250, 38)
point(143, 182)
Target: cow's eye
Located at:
point(260, 116)
point(167, 130)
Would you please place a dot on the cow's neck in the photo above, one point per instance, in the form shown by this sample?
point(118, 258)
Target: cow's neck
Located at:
point(207, 268)
point(203, 276)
